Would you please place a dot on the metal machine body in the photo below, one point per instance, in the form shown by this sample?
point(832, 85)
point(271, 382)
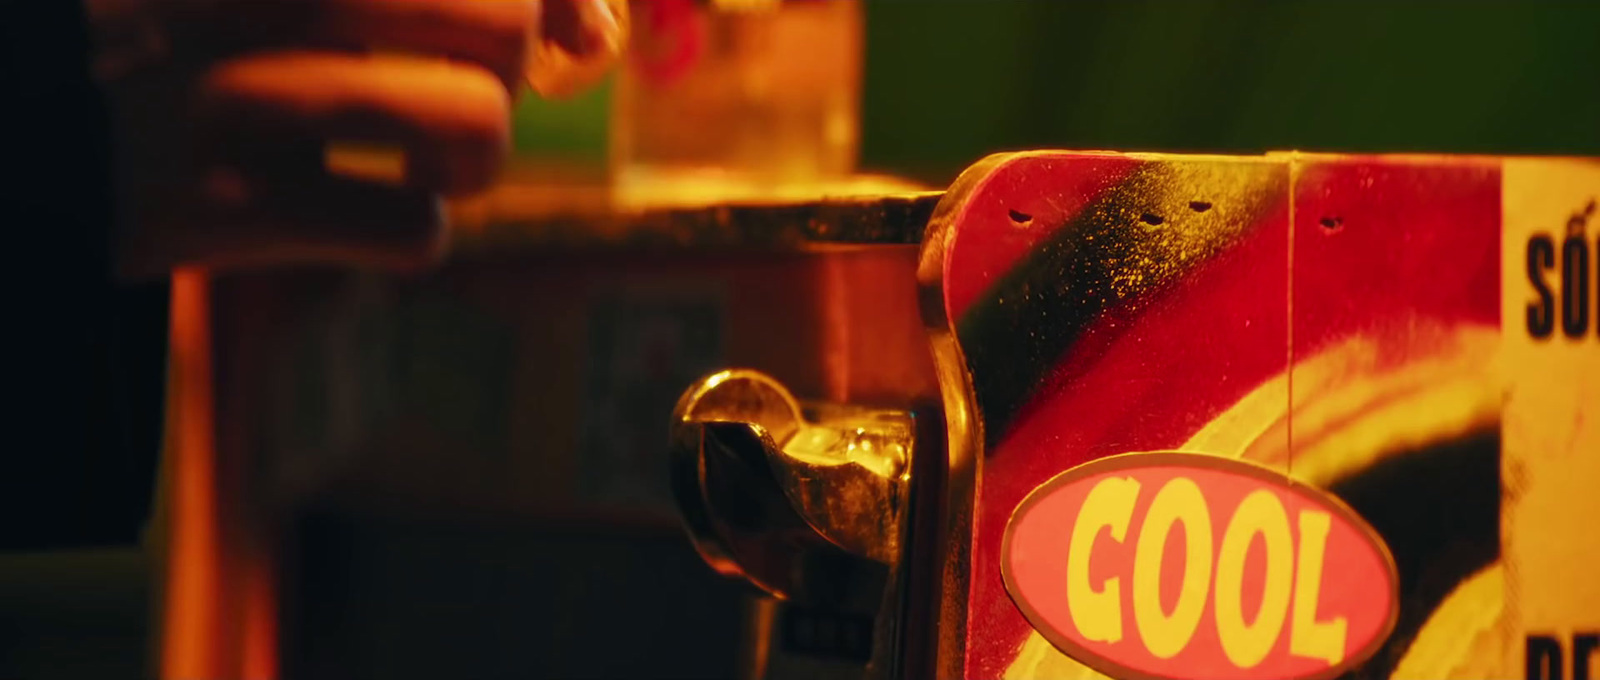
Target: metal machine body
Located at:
point(891, 399)
point(458, 472)
point(1394, 348)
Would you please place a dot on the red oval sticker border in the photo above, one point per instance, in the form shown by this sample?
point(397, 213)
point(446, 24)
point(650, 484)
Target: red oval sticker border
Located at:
point(1319, 622)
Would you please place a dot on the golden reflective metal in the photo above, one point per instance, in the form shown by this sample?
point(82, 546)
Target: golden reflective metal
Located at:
point(796, 499)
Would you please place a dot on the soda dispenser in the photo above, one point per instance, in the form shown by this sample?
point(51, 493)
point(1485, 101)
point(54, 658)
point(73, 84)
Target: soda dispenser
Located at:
point(1287, 416)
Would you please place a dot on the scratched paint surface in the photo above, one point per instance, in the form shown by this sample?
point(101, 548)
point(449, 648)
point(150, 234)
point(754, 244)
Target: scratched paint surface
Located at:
point(1333, 317)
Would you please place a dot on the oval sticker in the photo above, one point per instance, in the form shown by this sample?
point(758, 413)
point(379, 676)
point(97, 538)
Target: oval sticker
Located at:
point(1184, 566)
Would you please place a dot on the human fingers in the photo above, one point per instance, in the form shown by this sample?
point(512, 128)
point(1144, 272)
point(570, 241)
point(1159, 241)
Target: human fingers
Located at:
point(580, 41)
point(496, 35)
point(270, 114)
point(582, 27)
point(562, 45)
point(227, 221)
point(504, 36)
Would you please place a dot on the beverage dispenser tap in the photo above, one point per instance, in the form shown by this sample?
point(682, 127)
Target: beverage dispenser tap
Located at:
point(807, 502)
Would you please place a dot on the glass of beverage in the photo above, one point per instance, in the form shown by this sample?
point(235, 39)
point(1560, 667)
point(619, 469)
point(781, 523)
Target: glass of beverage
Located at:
point(721, 100)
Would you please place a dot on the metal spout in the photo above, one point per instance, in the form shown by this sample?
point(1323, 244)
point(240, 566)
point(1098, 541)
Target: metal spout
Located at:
point(798, 501)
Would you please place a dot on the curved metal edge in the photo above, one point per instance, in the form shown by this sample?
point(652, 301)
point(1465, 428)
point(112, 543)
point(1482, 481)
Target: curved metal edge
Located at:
point(963, 422)
point(687, 437)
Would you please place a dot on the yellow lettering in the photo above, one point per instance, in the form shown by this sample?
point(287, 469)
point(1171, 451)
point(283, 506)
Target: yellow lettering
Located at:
point(1247, 644)
point(1109, 505)
point(1309, 637)
point(1179, 500)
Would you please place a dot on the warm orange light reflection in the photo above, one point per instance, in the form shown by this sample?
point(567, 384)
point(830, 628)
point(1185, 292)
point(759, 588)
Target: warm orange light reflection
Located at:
point(259, 644)
point(193, 607)
point(220, 610)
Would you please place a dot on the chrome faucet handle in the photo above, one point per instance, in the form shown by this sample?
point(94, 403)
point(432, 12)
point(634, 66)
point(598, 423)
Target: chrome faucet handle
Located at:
point(790, 497)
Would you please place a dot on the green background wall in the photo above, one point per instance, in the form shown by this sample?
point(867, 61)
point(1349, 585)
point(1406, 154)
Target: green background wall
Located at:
point(949, 81)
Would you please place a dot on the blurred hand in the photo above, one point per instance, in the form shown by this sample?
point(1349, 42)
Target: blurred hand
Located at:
point(223, 112)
